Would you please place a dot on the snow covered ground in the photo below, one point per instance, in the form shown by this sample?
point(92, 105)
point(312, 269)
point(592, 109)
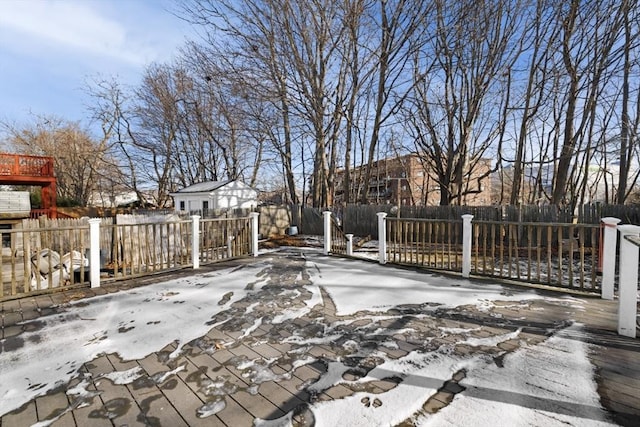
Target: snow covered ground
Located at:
point(536, 382)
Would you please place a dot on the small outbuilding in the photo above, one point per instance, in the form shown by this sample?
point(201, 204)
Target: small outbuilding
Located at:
point(215, 195)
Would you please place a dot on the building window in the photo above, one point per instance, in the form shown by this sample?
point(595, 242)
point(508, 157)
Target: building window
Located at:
point(205, 206)
point(6, 237)
point(181, 205)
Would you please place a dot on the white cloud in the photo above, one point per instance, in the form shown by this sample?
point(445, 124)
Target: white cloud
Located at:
point(86, 29)
point(49, 49)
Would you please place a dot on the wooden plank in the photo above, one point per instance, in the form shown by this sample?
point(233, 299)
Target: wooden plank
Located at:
point(184, 400)
point(280, 396)
point(86, 414)
point(26, 415)
point(118, 404)
point(51, 406)
point(257, 405)
point(234, 414)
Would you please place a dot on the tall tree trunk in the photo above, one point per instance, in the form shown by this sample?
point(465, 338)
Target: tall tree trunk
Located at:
point(624, 131)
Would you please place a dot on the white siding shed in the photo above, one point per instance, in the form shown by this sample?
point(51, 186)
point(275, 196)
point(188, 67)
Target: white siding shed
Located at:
point(215, 195)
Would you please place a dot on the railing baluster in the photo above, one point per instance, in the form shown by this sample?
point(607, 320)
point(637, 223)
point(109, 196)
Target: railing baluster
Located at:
point(502, 236)
point(570, 251)
point(549, 244)
point(581, 248)
point(529, 238)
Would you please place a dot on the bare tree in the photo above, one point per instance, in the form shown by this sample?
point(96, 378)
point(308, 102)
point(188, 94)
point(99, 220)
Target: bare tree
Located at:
point(401, 25)
point(461, 89)
point(112, 110)
point(590, 31)
point(629, 127)
point(79, 160)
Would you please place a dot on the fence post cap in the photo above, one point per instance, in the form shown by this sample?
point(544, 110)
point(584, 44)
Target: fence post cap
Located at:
point(252, 214)
point(610, 220)
point(382, 214)
point(195, 216)
point(467, 216)
point(629, 229)
point(94, 220)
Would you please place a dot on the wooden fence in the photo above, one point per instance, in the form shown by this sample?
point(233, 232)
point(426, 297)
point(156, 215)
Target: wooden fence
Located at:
point(435, 244)
point(48, 255)
point(224, 238)
point(558, 255)
point(338, 239)
point(133, 248)
point(361, 220)
point(42, 258)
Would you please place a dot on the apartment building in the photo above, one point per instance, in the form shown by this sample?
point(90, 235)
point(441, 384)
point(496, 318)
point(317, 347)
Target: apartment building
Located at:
point(405, 180)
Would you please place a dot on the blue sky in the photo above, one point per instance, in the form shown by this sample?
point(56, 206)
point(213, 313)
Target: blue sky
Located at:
point(49, 49)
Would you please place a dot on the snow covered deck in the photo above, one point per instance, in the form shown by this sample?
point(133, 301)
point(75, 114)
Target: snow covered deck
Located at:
point(297, 338)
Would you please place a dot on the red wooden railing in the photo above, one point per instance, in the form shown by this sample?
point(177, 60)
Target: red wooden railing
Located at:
point(22, 169)
point(21, 165)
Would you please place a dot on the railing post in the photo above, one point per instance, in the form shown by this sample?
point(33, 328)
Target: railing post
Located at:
point(94, 252)
point(254, 232)
point(466, 244)
point(608, 255)
point(349, 244)
point(327, 232)
point(195, 241)
point(628, 287)
point(382, 237)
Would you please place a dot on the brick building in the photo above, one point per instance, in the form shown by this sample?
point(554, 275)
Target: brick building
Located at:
point(404, 180)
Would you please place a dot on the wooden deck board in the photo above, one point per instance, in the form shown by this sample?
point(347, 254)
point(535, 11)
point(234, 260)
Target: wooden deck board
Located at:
point(234, 414)
point(23, 416)
point(257, 405)
point(51, 406)
point(118, 404)
point(86, 414)
point(183, 395)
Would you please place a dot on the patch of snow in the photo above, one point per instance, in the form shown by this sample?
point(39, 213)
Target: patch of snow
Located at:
point(356, 286)
point(491, 341)
point(258, 373)
point(161, 377)
point(256, 324)
point(284, 421)
point(131, 323)
point(422, 374)
point(549, 384)
point(302, 362)
point(300, 340)
point(289, 314)
point(124, 377)
point(334, 373)
point(251, 307)
point(211, 408)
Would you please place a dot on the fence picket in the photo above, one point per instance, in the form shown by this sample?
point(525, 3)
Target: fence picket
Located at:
point(134, 246)
point(561, 257)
